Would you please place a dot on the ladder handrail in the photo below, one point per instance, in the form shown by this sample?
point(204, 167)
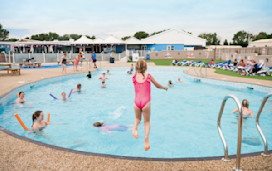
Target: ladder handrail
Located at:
point(239, 129)
point(258, 126)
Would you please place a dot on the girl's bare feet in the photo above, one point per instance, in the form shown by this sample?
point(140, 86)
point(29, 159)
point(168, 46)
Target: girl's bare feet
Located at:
point(135, 133)
point(147, 144)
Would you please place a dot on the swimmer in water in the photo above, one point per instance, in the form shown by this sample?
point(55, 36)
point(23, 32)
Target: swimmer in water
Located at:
point(103, 76)
point(114, 127)
point(38, 123)
point(180, 81)
point(78, 89)
point(20, 99)
point(64, 98)
point(246, 111)
point(170, 84)
point(89, 75)
point(103, 85)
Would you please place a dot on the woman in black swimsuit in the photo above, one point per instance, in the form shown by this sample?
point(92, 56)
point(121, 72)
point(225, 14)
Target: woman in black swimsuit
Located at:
point(63, 62)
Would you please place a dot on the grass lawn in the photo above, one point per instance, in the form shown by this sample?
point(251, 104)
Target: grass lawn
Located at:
point(167, 62)
point(234, 74)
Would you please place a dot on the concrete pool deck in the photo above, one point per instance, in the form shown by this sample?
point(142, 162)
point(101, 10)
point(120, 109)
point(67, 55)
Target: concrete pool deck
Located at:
point(17, 154)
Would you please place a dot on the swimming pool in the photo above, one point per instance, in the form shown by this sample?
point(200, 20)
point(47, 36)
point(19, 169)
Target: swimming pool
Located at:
point(183, 119)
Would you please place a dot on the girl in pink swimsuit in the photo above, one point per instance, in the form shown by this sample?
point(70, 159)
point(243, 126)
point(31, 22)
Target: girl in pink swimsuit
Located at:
point(141, 82)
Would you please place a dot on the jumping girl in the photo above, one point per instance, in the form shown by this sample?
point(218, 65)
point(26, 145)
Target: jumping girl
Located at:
point(141, 82)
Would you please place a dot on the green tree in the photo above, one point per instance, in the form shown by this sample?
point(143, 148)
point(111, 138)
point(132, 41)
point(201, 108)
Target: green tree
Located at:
point(64, 37)
point(3, 33)
point(241, 38)
point(75, 36)
point(261, 35)
point(141, 35)
point(125, 38)
point(53, 36)
point(93, 37)
point(211, 38)
point(12, 40)
point(226, 42)
point(157, 32)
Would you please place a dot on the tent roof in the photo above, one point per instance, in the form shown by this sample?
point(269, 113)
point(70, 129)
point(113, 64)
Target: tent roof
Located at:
point(113, 40)
point(174, 36)
point(83, 40)
point(133, 41)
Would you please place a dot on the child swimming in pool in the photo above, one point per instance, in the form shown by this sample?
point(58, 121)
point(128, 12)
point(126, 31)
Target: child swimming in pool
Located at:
point(103, 85)
point(103, 76)
point(63, 98)
point(78, 89)
point(141, 81)
point(38, 123)
point(170, 84)
point(89, 75)
point(21, 98)
point(114, 127)
point(180, 81)
point(246, 111)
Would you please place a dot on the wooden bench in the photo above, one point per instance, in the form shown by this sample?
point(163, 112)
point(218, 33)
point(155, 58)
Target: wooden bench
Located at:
point(8, 66)
point(15, 71)
point(12, 70)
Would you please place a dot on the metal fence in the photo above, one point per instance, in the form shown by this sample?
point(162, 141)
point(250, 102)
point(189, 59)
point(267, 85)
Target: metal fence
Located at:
point(54, 57)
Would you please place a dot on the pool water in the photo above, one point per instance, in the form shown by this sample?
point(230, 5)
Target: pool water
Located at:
point(183, 119)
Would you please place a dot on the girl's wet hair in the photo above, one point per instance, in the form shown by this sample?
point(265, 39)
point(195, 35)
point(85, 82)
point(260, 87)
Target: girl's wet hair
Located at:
point(20, 92)
point(98, 124)
point(245, 103)
point(36, 115)
point(141, 66)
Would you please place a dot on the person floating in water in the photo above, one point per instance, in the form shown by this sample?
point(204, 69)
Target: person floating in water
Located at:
point(170, 84)
point(114, 127)
point(21, 98)
point(180, 81)
point(78, 89)
point(245, 110)
point(38, 123)
point(89, 75)
point(63, 96)
point(103, 76)
point(141, 81)
point(103, 85)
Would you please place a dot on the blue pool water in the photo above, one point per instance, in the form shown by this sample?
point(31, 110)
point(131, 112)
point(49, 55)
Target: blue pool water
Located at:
point(183, 119)
point(48, 66)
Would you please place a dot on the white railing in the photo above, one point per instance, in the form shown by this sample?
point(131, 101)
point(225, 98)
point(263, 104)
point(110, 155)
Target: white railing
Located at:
point(55, 57)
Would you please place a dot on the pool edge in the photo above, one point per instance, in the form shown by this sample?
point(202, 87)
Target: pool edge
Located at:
point(10, 133)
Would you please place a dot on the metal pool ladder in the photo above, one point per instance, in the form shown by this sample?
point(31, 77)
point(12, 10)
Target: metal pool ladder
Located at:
point(258, 126)
point(239, 131)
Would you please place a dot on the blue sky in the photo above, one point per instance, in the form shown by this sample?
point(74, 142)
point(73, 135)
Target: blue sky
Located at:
point(122, 17)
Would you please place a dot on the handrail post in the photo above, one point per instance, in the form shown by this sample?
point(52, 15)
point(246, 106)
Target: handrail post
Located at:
point(265, 154)
point(239, 130)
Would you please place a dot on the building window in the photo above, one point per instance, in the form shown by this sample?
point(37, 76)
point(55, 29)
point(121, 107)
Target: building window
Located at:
point(170, 48)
